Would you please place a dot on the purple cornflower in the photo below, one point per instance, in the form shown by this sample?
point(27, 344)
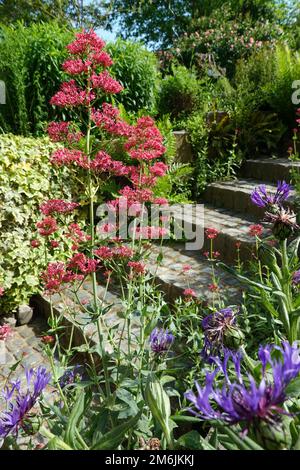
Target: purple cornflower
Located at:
point(261, 198)
point(71, 376)
point(19, 403)
point(160, 340)
point(220, 332)
point(247, 402)
point(296, 278)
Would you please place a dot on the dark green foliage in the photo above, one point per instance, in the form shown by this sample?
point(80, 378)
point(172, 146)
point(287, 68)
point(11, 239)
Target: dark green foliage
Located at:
point(179, 93)
point(30, 60)
point(137, 70)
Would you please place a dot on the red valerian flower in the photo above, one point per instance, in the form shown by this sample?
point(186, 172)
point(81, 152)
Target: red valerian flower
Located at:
point(211, 233)
point(47, 226)
point(122, 252)
point(58, 206)
point(104, 252)
point(158, 169)
point(106, 82)
point(85, 265)
point(103, 162)
point(63, 132)
point(256, 230)
point(109, 120)
point(102, 58)
point(47, 339)
point(146, 141)
point(71, 95)
point(85, 43)
point(137, 267)
point(68, 157)
point(56, 276)
point(5, 332)
point(189, 293)
point(54, 244)
point(35, 243)
point(76, 66)
point(213, 287)
point(1, 291)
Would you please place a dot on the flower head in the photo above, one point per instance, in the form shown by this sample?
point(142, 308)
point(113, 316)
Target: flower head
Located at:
point(220, 331)
point(211, 233)
point(261, 198)
point(47, 226)
point(19, 403)
point(284, 222)
point(248, 402)
point(58, 206)
point(296, 278)
point(71, 376)
point(256, 230)
point(160, 340)
point(5, 332)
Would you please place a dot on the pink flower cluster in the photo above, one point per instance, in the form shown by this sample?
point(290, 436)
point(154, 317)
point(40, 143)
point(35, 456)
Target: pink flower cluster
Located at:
point(62, 132)
point(77, 235)
point(137, 267)
point(1, 291)
point(106, 253)
point(82, 263)
point(86, 42)
point(47, 226)
point(145, 141)
point(71, 95)
point(106, 82)
point(58, 206)
point(69, 157)
point(57, 276)
point(104, 163)
point(5, 332)
point(109, 119)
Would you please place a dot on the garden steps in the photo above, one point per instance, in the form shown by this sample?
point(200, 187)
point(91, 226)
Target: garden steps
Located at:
point(269, 169)
point(172, 279)
point(233, 227)
point(235, 195)
point(75, 316)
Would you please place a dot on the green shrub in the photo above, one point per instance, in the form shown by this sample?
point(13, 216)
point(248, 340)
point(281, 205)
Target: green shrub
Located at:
point(30, 66)
point(179, 93)
point(220, 40)
point(137, 69)
point(30, 59)
point(26, 179)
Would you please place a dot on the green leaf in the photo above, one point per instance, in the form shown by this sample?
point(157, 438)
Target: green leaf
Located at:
point(77, 412)
point(113, 439)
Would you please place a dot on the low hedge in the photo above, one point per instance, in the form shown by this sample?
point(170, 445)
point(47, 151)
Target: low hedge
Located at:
point(26, 179)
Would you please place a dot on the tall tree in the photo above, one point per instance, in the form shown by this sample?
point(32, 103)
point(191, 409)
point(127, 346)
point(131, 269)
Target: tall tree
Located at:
point(72, 12)
point(162, 21)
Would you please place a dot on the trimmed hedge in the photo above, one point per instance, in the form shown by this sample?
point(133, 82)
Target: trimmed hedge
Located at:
point(26, 179)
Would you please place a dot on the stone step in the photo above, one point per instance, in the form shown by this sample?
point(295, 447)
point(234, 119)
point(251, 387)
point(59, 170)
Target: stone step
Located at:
point(173, 280)
point(235, 195)
point(233, 228)
point(77, 318)
point(269, 169)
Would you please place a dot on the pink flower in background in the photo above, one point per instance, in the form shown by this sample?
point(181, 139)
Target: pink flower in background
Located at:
point(137, 267)
point(189, 293)
point(82, 263)
point(213, 287)
point(70, 95)
point(57, 205)
point(1, 291)
point(212, 233)
point(76, 66)
point(86, 42)
point(158, 169)
point(54, 244)
point(47, 226)
point(256, 230)
point(35, 243)
point(102, 58)
point(104, 252)
point(63, 131)
point(68, 157)
point(5, 332)
point(106, 82)
point(186, 268)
